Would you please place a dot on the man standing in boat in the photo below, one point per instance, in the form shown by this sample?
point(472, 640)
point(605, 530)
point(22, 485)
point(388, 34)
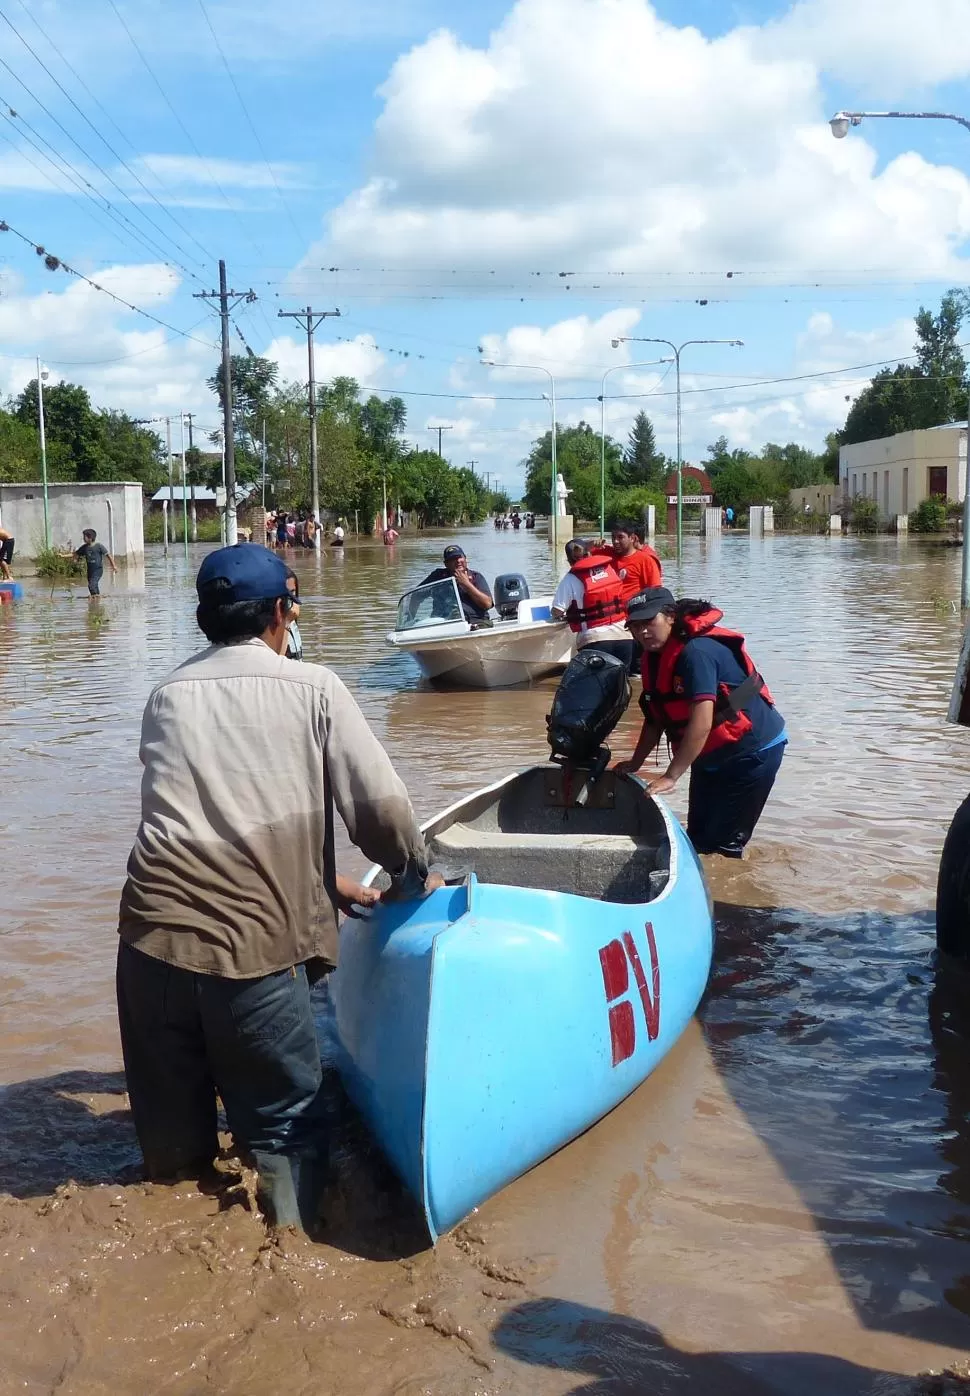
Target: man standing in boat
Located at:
point(473, 589)
point(229, 911)
point(702, 692)
point(590, 598)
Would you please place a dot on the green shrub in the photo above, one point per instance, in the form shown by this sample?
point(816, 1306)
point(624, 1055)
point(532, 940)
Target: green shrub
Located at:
point(865, 514)
point(929, 516)
point(210, 530)
point(50, 563)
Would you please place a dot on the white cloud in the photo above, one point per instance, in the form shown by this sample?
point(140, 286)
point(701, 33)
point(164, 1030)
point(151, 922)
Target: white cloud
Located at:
point(591, 134)
point(885, 45)
point(357, 358)
point(568, 349)
point(204, 170)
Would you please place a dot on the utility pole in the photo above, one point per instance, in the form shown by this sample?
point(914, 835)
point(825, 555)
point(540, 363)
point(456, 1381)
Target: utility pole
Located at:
point(170, 523)
point(311, 319)
point(439, 430)
point(43, 453)
point(185, 504)
point(192, 508)
point(224, 297)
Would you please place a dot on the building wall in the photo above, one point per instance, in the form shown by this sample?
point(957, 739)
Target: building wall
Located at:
point(895, 470)
point(74, 507)
point(823, 499)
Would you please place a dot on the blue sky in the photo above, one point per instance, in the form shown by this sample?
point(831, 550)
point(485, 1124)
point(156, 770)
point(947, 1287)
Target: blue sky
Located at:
point(533, 178)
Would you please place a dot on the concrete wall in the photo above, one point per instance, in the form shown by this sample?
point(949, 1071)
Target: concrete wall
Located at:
point(822, 499)
point(895, 470)
point(73, 507)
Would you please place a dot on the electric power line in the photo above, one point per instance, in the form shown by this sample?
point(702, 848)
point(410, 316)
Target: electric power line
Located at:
point(54, 263)
point(245, 110)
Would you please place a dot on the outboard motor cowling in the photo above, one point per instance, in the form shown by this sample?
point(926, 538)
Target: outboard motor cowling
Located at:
point(592, 696)
point(510, 588)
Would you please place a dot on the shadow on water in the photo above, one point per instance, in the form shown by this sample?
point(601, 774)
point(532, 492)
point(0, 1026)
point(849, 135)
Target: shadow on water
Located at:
point(619, 1356)
point(847, 1047)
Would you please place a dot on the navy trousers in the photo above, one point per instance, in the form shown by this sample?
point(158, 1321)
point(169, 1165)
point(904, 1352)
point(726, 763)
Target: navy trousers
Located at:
point(186, 1036)
point(725, 804)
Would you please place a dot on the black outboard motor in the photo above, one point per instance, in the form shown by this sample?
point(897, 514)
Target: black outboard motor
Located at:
point(510, 589)
point(591, 698)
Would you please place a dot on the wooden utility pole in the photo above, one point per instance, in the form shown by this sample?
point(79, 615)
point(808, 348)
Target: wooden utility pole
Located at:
point(311, 319)
point(224, 297)
point(439, 430)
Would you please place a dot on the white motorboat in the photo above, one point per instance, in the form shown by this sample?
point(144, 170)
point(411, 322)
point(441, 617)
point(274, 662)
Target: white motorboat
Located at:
point(499, 652)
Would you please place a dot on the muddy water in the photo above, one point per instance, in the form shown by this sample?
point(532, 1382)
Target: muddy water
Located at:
point(784, 1208)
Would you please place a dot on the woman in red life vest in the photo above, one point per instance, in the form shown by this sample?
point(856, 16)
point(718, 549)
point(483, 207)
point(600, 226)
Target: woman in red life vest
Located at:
point(590, 598)
point(702, 692)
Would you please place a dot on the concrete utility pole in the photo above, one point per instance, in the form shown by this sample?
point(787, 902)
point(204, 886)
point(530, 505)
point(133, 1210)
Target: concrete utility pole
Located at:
point(439, 430)
point(170, 519)
point(192, 509)
point(224, 297)
point(41, 375)
point(311, 319)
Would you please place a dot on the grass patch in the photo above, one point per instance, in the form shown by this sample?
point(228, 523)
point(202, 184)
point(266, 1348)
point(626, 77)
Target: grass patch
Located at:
point(209, 529)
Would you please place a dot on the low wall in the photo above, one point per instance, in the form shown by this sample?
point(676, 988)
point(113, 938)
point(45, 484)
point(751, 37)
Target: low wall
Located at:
point(113, 509)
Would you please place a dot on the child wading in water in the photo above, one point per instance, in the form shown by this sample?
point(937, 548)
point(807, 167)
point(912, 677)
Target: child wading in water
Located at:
point(94, 553)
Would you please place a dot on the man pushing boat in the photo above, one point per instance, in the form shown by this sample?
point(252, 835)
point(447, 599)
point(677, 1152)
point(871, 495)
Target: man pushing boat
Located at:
point(701, 691)
point(230, 907)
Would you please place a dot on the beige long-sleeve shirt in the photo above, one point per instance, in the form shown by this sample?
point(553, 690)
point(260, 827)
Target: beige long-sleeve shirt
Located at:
point(245, 755)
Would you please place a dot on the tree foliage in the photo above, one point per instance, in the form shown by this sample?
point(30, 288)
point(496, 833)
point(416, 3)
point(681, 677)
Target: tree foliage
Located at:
point(643, 464)
point(82, 443)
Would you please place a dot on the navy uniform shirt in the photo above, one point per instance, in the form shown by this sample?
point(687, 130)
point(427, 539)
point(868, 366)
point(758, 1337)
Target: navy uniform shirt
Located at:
point(472, 611)
point(702, 666)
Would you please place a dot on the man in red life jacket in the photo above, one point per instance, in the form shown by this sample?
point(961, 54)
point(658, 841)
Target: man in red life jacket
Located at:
point(636, 564)
point(590, 598)
point(702, 691)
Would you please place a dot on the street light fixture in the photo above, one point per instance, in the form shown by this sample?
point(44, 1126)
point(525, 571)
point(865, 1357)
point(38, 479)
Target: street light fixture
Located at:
point(617, 368)
point(678, 349)
point(840, 124)
point(537, 368)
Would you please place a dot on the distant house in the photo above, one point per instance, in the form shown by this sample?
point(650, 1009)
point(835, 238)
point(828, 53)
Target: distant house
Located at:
point(823, 500)
point(900, 471)
point(207, 501)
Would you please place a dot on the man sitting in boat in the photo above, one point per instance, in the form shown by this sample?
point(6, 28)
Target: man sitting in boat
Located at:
point(590, 598)
point(473, 589)
point(701, 691)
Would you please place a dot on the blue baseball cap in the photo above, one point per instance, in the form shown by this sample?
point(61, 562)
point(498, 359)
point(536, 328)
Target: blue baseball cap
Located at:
point(253, 572)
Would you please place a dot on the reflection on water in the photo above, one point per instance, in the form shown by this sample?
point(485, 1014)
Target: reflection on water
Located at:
point(789, 1196)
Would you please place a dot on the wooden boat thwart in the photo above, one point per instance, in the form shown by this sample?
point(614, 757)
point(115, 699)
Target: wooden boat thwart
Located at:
point(483, 1027)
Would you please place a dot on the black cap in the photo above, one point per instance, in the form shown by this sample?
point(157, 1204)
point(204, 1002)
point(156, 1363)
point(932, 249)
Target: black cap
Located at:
point(452, 551)
point(649, 603)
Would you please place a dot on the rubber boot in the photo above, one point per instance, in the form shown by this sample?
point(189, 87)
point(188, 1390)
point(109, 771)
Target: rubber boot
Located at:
point(288, 1189)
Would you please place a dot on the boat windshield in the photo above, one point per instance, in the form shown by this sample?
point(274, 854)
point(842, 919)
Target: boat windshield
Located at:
point(438, 603)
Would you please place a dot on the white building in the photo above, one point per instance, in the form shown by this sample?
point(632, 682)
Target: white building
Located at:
point(114, 510)
point(900, 471)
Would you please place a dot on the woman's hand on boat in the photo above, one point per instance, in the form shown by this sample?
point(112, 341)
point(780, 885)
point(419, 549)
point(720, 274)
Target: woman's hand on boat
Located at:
point(626, 768)
point(661, 785)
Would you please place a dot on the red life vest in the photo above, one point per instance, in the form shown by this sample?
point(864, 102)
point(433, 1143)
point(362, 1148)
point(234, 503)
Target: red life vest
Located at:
point(663, 703)
point(602, 595)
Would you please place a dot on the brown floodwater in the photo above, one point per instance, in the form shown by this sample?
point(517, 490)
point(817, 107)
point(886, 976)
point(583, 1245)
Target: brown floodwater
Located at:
point(783, 1208)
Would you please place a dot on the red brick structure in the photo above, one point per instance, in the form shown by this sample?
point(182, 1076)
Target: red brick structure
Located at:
point(704, 493)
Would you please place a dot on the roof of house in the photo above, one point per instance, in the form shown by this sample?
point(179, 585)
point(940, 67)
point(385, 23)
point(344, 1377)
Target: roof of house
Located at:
point(202, 494)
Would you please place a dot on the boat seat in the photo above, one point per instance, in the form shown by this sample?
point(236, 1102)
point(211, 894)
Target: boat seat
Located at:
point(613, 867)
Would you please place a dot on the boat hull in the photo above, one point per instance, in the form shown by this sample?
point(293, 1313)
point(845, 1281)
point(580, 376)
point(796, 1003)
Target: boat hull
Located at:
point(484, 1027)
point(499, 657)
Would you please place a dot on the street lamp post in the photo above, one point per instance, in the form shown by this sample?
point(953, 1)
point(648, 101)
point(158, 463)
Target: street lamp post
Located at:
point(537, 368)
point(43, 453)
point(840, 124)
point(650, 339)
point(617, 368)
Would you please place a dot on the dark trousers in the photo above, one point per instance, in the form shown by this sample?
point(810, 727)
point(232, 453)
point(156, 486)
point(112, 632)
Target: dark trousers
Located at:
point(619, 649)
point(94, 581)
point(186, 1036)
point(725, 804)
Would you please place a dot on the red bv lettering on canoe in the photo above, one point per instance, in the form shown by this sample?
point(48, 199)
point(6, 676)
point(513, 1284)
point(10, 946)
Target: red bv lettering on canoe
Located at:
point(616, 960)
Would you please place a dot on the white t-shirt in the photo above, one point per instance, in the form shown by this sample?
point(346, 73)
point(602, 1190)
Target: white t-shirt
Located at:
point(338, 532)
point(571, 589)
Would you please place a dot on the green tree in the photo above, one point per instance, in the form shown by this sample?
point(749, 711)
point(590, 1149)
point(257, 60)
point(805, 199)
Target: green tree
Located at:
point(643, 464)
point(70, 422)
point(578, 461)
point(912, 396)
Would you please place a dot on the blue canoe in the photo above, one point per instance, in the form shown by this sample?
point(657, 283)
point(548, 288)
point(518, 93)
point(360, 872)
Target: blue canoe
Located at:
point(482, 1028)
